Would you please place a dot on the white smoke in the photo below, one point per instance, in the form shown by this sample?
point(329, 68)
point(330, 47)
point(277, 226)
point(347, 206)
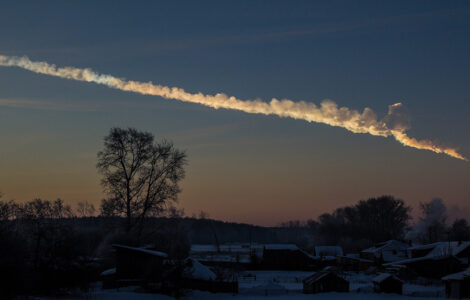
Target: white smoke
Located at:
point(395, 123)
point(434, 212)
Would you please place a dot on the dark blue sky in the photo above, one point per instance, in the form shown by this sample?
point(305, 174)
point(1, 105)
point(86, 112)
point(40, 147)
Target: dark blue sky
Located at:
point(357, 53)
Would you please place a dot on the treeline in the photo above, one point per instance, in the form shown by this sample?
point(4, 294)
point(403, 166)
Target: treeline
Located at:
point(48, 248)
point(383, 218)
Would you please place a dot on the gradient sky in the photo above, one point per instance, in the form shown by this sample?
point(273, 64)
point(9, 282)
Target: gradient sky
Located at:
point(245, 168)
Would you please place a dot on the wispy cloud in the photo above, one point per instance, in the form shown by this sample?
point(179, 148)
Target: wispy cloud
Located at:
point(45, 105)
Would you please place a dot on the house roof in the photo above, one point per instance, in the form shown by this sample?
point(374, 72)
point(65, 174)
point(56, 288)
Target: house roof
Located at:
point(458, 276)
point(443, 248)
point(384, 276)
point(241, 247)
point(388, 245)
point(321, 274)
point(354, 258)
point(386, 250)
point(141, 250)
point(413, 260)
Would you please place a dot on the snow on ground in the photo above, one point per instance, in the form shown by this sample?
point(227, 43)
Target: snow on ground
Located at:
point(250, 281)
point(197, 295)
point(325, 296)
point(424, 291)
point(360, 282)
point(281, 285)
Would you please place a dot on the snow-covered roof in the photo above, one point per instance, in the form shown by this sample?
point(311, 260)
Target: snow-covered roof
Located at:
point(417, 259)
point(223, 257)
point(241, 247)
point(196, 270)
point(458, 276)
point(356, 258)
point(142, 250)
point(383, 276)
point(442, 248)
point(108, 272)
point(389, 251)
point(321, 274)
point(462, 247)
point(388, 245)
point(328, 251)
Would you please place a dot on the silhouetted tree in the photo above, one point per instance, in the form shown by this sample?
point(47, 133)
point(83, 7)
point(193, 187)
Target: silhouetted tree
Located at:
point(460, 230)
point(373, 220)
point(140, 176)
point(85, 209)
point(383, 218)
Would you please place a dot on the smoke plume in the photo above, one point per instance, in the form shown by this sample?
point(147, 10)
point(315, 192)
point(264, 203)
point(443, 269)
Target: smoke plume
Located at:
point(395, 123)
point(434, 218)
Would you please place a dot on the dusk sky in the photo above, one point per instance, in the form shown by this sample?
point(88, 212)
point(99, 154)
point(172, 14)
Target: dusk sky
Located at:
point(243, 167)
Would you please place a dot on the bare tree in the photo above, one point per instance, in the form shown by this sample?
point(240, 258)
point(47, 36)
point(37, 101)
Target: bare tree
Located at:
point(85, 209)
point(140, 176)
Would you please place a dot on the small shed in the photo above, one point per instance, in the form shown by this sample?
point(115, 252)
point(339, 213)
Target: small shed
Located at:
point(325, 281)
point(286, 257)
point(388, 283)
point(138, 263)
point(458, 284)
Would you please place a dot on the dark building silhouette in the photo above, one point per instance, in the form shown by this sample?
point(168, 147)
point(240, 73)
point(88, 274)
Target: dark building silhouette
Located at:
point(388, 283)
point(458, 284)
point(325, 281)
point(138, 264)
point(431, 267)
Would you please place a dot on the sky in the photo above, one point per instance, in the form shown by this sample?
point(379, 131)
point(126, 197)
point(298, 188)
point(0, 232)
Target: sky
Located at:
point(253, 168)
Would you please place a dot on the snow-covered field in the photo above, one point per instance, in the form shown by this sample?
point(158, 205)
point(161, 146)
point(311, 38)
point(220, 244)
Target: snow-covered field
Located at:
point(281, 285)
point(196, 295)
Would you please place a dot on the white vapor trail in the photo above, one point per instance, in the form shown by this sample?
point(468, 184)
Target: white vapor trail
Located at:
point(395, 123)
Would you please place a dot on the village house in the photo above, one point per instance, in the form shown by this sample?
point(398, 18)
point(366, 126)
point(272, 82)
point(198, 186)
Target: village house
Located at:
point(327, 280)
point(137, 265)
point(328, 251)
point(458, 284)
point(431, 266)
point(386, 252)
point(387, 283)
point(228, 255)
point(255, 256)
point(354, 263)
point(286, 257)
point(457, 248)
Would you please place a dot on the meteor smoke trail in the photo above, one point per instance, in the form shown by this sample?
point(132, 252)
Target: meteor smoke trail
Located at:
point(395, 123)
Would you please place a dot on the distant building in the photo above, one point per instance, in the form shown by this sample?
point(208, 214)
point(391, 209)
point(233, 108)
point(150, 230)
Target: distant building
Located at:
point(138, 264)
point(386, 252)
point(325, 281)
point(227, 255)
point(456, 248)
point(255, 256)
point(286, 257)
point(352, 263)
point(429, 266)
point(388, 283)
point(458, 284)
